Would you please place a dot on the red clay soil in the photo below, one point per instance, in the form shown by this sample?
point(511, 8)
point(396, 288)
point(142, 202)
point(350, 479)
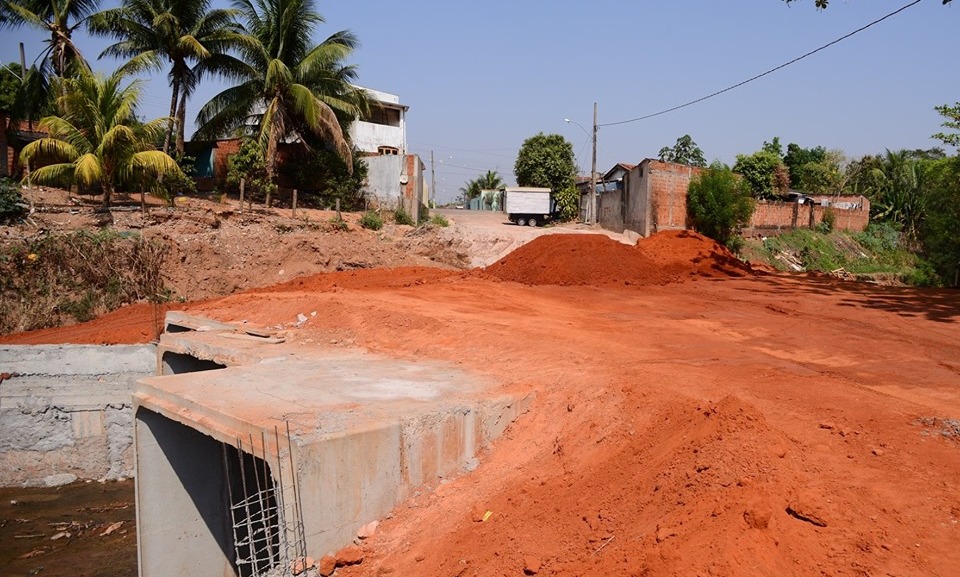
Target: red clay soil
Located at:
point(733, 426)
point(595, 260)
point(132, 324)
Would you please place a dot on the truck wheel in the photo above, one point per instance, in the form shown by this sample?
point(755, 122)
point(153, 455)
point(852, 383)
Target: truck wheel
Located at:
point(532, 221)
point(521, 221)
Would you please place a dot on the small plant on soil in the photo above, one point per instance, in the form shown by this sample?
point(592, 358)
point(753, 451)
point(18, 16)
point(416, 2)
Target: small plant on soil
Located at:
point(401, 216)
point(12, 206)
point(439, 220)
point(371, 220)
point(338, 224)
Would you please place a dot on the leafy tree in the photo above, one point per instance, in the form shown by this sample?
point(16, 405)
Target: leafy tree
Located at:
point(10, 75)
point(250, 165)
point(895, 182)
point(797, 157)
point(286, 87)
point(191, 37)
point(719, 203)
point(940, 231)
point(321, 177)
point(685, 151)
point(546, 160)
point(952, 122)
point(60, 19)
point(764, 172)
point(96, 139)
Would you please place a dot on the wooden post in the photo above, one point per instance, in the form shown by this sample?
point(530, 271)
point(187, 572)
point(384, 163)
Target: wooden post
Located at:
point(294, 203)
point(143, 199)
point(243, 183)
point(338, 210)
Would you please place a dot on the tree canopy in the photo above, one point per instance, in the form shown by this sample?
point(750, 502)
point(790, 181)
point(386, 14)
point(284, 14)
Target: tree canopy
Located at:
point(764, 171)
point(546, 160)
point(685, 151)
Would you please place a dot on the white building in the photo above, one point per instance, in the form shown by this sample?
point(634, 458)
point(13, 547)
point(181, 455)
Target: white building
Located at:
point(385, 132)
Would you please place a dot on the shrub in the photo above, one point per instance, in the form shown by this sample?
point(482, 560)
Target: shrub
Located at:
point(719, 203)
point(568, 203)
point(439, 220)
point(371, 220)
point(829, 221)
point(12, 206)
point(401, 216)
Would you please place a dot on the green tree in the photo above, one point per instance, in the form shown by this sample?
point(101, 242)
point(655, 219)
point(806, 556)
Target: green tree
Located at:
point(188, 36)
point(546, 160)
point(951, 115)
point(60, 19)
point(719, 203)
point(471, 189)
point(764, 172)
point(940, 231)
point(321, 177)
point(286, 86)
point(896, 183)
point(797, 157)
point(685, 151)
point(490, 181)
point(96, 139)
point(10, 75)
point(249, 164)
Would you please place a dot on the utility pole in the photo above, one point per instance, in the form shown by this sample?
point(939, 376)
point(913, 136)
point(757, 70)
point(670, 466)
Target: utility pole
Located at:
point(592, 217)
point(433, 191)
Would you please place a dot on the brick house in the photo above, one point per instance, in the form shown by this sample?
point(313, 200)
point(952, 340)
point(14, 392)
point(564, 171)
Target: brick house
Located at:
point(654, 198)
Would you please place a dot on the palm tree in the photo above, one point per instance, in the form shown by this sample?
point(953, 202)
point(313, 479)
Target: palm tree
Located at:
point(187, 35)
point(490, 181)
point(60, 18)
point(96, 139)
point(286, 87)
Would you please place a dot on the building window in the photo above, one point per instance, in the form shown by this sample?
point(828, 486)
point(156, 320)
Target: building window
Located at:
point(388, 151)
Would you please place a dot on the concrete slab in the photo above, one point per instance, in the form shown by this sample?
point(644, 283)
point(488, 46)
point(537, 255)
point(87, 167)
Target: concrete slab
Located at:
point(365, 433)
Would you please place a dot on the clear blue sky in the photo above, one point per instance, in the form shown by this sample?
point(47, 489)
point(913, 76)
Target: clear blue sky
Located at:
point(480, 77)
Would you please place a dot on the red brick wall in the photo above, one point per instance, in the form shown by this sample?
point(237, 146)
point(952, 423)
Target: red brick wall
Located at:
point(668, 183)
point(775, 215)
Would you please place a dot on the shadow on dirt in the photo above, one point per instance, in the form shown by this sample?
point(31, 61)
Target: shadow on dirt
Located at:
point(939, 305)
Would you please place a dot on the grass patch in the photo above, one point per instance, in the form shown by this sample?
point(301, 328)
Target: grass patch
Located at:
point(439, 220)
point(371, 220)
point(876, 251)
point(401, 216)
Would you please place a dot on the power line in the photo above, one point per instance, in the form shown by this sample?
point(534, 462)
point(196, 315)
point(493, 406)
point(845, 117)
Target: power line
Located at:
point(771, 71)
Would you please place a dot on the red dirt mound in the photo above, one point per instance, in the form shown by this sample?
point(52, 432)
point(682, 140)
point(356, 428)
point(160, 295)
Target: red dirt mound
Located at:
point(686, 252)
point(594, 260)
point(576, 260)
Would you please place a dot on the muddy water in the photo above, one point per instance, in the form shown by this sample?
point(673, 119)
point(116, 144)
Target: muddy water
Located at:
point(82, 529)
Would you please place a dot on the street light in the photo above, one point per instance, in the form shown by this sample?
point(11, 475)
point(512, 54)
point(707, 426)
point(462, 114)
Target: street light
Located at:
point(592, 206)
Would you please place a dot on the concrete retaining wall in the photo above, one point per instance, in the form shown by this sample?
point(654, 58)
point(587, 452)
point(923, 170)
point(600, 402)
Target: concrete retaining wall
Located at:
point(66, 411)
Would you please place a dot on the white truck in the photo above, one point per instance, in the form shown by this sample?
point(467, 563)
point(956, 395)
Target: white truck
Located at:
point(528, 206)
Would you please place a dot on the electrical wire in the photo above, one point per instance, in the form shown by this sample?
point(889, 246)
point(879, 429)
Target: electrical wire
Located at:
point(761, 75)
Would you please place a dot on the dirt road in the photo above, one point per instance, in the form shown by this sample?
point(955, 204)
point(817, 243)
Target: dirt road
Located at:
point(689, 419)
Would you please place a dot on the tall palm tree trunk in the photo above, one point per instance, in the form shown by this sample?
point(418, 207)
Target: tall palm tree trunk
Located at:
point(272, 161)
point(181, 120)
point(175, 93)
